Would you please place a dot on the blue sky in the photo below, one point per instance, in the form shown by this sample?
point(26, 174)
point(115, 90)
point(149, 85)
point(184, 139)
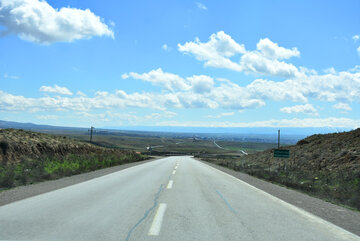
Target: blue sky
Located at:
point(180, 63)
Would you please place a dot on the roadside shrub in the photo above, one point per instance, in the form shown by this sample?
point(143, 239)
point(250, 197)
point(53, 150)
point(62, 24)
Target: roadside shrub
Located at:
point(7, 176)
point(4, 146)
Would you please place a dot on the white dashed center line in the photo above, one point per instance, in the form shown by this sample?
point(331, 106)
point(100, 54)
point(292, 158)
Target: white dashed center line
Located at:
point(157, 222)
point(170, 184)
point(174, 172)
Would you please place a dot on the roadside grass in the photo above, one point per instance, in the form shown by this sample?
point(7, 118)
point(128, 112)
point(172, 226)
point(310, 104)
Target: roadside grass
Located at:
point(341, 188)
point(46, 167)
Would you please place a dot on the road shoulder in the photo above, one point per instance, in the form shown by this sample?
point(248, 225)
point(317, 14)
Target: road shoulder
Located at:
point(340, 216)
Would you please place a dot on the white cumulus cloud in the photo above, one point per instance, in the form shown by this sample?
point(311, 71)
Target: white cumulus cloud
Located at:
point(356, 38)
point(80, 93)
point(216, 52)
point(265, 60)
point(342, 106)
point(56, 90)
point(256, 63)
point(198, 91)
point(14, 77)
point(165, 114)
point(169, 81)
point(201, 6)
point(306, 109)
point(271, 50)
point(221, 115)
point(201, 83)
point(39, 22)
point(165, 47)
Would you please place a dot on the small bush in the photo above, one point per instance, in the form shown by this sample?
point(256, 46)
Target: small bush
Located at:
point(7, 176)
point(4, 146)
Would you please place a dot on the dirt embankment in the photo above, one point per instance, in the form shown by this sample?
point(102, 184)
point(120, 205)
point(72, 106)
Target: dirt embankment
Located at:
point(327, 152)
point(28, 157)
point(17, 144)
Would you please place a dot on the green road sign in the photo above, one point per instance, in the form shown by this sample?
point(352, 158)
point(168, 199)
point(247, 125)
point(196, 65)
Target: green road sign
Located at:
point(281, 153)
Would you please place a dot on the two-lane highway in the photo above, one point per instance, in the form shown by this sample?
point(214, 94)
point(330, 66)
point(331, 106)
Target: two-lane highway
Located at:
point(174, 198)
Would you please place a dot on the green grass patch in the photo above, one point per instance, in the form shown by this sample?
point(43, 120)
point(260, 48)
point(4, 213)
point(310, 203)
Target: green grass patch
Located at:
point(29, 171)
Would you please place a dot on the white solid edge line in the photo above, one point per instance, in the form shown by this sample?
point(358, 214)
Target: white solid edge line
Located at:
point(170, 184)
point(346, 235)
point(157, 222)
point(173, 172)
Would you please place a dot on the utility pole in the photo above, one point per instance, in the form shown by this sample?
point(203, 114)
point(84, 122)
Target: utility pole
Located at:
point(278, 139)
point(92, 130)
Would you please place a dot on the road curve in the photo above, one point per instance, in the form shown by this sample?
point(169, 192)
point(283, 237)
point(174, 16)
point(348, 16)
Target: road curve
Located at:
point(217, 145)
point(174, 198)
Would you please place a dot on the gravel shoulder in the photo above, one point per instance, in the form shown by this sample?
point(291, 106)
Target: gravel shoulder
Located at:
point(22, 192)
point(340, 216)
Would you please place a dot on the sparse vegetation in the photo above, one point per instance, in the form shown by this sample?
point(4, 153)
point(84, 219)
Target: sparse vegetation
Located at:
point(29, 171)
point(27, 157)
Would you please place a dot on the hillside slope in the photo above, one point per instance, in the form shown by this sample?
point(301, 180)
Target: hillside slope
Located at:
point(16, 144)
point(339, 152)
point(27, 157)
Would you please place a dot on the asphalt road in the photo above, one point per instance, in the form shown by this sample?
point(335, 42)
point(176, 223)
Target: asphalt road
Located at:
point(175, 198)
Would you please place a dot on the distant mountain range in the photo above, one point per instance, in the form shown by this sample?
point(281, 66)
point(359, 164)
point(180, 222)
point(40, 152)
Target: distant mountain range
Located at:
point(31, 126)
point(258, 134)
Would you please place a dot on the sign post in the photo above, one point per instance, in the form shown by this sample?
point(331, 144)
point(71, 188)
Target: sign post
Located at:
point(281, 153)
point(278, 139)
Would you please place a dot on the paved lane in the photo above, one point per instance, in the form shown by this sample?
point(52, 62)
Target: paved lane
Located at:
point(175, 198)
point(207, 204)
point(104, 208)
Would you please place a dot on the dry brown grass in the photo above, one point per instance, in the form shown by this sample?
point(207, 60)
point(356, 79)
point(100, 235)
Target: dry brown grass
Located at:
point(28, 157)
point(15, 144)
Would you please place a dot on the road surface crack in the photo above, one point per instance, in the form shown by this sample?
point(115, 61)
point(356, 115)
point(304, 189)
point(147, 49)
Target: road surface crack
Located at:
point(146, 214)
